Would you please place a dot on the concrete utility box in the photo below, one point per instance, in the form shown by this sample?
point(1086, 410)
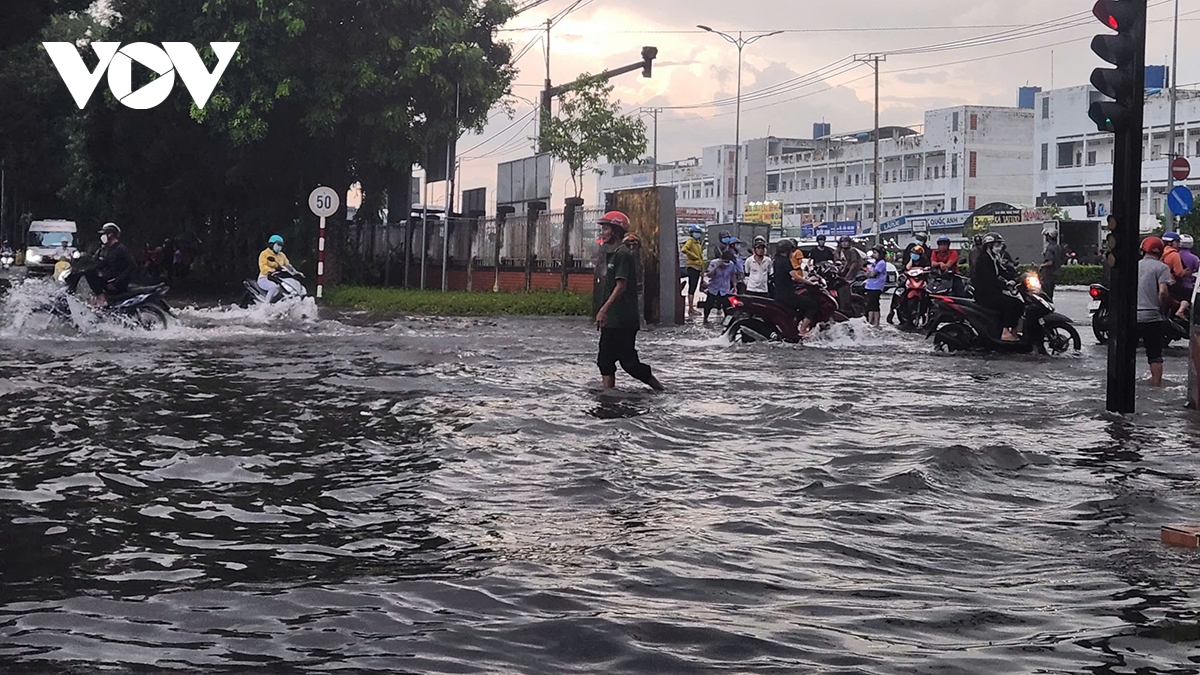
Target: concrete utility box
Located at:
point(651, 212)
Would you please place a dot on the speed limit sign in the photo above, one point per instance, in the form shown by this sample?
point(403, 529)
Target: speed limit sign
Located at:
point(324, 202)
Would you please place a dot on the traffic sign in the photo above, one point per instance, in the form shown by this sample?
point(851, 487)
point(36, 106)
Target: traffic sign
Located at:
point(1180, 200)
point(324, 202)
point(1180, 168)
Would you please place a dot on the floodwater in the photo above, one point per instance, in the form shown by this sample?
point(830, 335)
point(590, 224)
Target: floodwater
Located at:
point(279, 493)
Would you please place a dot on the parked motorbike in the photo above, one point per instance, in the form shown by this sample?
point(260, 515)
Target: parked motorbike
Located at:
point(141, 306)
point(1177, 328)
point(290, 288)
point(753, 318)
point(960, 324)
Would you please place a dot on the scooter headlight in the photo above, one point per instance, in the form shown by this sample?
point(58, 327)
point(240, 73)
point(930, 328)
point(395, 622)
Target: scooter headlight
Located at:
point(1033, 283)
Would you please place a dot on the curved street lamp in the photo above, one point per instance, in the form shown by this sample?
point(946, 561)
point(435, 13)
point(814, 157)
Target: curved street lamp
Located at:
point(739, 42)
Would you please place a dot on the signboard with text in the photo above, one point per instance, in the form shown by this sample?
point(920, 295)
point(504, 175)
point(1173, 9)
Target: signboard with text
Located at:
point(692, 215)
point(770, 213)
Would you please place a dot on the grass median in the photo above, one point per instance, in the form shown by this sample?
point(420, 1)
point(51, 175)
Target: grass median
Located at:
point(460, 303)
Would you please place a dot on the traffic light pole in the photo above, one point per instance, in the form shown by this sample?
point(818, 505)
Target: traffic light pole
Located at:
point(1127, 194)
point(550, 92)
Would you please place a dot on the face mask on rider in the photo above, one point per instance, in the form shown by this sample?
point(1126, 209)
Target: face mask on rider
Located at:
point(104, 239)
point(277, 248)
point(916, 257)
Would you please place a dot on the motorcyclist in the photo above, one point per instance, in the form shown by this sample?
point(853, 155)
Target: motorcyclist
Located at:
point(114, 265)
point(1191, 263)
point(821, 253)
point(271, 260)
point(6, 248)
point(917, 258)
point(758, 268)
point(976, 249)
point(850, 266)
point(992, 276)
point(783, 287)
point(944, 259)
point(1172, 258)
point(922, 240)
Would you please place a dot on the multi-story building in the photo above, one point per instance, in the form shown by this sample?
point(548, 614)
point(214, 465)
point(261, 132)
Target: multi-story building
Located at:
point(967, 156)
point(703, 185)
point(1073, 161)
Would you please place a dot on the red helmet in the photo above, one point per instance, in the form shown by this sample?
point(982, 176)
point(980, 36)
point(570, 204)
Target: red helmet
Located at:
point(616, 219)
point(1153, 245)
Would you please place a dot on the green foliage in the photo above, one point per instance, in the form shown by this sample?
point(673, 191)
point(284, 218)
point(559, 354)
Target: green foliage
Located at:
point(318, 93)
point(590, 127)
point(460, 303)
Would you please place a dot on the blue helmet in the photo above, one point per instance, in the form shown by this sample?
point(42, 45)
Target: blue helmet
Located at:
point(695, 228)
point(275, 239)
point(1170, 236)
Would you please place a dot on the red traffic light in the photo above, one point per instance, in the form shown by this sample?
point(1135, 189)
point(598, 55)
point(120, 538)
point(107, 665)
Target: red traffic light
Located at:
point(1119, 15)
point(1105, 12)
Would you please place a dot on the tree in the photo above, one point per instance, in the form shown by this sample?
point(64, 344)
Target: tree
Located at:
point(589, 128)
point(318, 93)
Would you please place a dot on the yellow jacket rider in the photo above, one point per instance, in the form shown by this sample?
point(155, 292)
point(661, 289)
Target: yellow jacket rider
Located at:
point(271, 259)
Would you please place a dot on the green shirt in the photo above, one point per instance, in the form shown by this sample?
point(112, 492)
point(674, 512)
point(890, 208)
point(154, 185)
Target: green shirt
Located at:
point(623, 313)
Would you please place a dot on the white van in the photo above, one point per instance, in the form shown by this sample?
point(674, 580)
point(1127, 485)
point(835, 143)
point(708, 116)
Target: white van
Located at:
point(43, 244)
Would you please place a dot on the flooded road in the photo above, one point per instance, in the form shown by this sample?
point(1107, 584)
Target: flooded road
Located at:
point(281, 493)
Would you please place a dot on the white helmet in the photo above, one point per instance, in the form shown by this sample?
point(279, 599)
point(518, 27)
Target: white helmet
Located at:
point(1186, 240)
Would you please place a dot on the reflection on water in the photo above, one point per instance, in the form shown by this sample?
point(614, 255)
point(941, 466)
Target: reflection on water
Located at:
point(279, 492)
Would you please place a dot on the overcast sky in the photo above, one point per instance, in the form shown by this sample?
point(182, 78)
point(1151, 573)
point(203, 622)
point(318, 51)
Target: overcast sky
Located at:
point(698, 68)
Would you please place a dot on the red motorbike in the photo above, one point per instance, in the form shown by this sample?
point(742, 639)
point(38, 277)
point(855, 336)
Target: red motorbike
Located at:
point(754, 318)
point(910, 304)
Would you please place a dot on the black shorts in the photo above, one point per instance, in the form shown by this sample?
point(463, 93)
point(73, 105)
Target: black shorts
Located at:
point(693, 277)
point(619, 345)
point(1151, 335)
point(1180, 293)
point(873, 300)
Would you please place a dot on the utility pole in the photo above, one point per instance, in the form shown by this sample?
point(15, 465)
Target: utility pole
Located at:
point(874, 60)
point(740, 43)
point(3, 203)
point(1174, 97)
point(655, 112)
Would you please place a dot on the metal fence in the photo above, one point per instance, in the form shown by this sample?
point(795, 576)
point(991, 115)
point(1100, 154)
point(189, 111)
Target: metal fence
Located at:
point(381, 250)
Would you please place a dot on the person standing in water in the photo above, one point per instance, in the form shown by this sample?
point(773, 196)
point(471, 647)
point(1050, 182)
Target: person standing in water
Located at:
point(618, 320)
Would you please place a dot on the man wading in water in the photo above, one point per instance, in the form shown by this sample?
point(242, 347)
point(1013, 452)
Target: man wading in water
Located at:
point(618, 319)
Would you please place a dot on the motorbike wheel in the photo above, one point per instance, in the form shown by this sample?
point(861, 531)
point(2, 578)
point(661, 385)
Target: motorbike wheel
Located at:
point(1100, 325)
point(747, 331)
point(952, 337)
point(1060, 338)
point(149, 317)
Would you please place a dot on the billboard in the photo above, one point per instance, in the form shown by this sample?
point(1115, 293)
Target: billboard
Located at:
point(524, 180)
point(692, 215)
point(770, 213)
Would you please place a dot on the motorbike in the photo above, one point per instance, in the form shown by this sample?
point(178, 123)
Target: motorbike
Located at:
point(290, 287)
point(962, 324)
point(141, 306)
point(1177, 328)
point(910, 302)
point(948, 283)
point(830, 274)
point(6, 259)
point(754, 318)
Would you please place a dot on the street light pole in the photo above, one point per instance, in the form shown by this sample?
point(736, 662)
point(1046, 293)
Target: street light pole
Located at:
point(739, 42)
point(1172, 135)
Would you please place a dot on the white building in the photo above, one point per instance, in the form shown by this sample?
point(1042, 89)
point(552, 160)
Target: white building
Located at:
point(703, 185)
point(1073, 161)
point(967, 156)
